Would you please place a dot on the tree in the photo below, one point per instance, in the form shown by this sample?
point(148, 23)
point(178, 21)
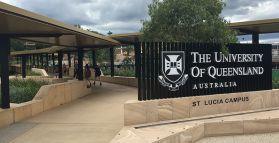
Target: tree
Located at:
point(103, 55)
point(187, 21)
point(128, 49)
point(77, 25)
point(96, 32)
point(128, 59)
point(109, 33)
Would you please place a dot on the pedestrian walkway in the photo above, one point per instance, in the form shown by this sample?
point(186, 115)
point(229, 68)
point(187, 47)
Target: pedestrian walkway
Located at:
point(254, 138)
point(95, 118)
point(257, 126)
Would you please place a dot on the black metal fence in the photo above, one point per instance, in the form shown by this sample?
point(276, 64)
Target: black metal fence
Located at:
point(197, 73)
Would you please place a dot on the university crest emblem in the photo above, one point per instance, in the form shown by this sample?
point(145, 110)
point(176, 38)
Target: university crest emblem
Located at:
point(173, 69)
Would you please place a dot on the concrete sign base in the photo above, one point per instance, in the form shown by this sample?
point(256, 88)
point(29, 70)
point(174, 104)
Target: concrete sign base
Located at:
point(142, 112)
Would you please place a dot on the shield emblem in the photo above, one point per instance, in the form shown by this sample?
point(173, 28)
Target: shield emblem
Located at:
point(173, 65)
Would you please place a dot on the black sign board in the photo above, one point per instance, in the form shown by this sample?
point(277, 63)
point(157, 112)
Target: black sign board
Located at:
point(169, 70)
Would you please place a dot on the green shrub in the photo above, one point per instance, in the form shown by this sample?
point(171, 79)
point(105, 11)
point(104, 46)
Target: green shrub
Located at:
point(128, 73)
point(31, 73)
point(105, 71)
point(275, 79)
point(120, 72)
point(24, 90)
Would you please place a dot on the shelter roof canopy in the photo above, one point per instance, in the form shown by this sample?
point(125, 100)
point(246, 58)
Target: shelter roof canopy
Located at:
point(257, 26)
point(23, 24)
point(49, 50)
point(126, 38)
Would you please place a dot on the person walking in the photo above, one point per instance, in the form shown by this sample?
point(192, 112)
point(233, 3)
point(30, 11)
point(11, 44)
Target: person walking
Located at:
point(88, 75)
point(97, 74)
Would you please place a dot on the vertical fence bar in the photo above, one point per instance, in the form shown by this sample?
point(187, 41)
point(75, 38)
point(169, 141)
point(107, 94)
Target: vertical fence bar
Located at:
point(152, 74)
point(156, 71)
point(148, 70)
point(138, 68)
point(143, 72)
point(170, 48)
point(186, 47)
point(181, 88)
point(164, 48)
point(159, 68)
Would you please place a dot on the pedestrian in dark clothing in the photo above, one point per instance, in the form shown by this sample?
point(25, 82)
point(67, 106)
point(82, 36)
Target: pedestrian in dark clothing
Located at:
point(97, 74)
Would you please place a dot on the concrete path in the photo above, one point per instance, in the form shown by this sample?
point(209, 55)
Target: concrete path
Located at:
point(95, 118)
point(255, 138)
point(196, 127)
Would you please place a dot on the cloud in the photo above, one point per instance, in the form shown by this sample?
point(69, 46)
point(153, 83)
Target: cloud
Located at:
point(99, 15)
point(264, 38)
point(243, 10)
point(123, 16)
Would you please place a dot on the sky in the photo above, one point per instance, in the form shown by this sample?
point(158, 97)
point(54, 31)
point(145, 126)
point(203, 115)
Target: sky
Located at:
point(124, 16)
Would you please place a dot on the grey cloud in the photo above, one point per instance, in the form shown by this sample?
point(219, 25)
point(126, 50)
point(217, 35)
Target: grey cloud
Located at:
point(234, 4)
point(71, 11)
point(240, 7)
point(266, 38)
point(92, 13)
point(121, 16)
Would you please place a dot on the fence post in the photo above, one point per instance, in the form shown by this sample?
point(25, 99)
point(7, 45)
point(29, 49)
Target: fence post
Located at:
point(137, 47)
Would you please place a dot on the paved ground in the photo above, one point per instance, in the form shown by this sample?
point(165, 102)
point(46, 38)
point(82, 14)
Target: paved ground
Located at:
point(257, 138)
point(95, 118)
point(155, 132)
